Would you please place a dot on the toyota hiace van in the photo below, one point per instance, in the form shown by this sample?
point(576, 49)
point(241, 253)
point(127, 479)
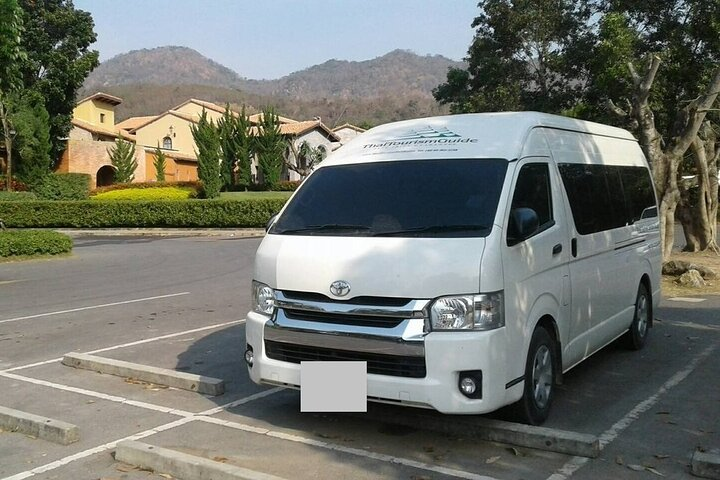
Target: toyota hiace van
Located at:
point(469, 260)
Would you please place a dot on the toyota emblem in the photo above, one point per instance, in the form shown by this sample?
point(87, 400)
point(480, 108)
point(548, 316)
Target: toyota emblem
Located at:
point(340, 288)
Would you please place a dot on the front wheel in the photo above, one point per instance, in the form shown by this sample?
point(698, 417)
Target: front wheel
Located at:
point(534, 406)
point(637, 333)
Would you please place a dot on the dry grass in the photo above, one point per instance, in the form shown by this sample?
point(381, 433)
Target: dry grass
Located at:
point(707, 259)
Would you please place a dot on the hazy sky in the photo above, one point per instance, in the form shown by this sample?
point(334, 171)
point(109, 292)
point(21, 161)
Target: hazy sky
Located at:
point(271, 38)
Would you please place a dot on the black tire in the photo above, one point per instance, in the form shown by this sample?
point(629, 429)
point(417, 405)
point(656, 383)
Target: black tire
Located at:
point(534, 406)
point(637, 334)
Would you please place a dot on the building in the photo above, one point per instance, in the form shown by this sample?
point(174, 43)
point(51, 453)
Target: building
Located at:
point(347, 132)
point(95, 131)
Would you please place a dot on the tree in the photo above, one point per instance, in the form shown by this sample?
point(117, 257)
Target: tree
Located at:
point(207, 140)
point(244, 148)
point(304, 159)
point(526, 55)
point(674, 78)
point(270, 147)
point(56, 38)
point(122, 157)
point(11, 53)
point(237, 147)
point(32, 142)
point(159, 164)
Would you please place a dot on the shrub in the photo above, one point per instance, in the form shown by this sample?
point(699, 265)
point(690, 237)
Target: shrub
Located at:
point(17, 196)
point(169, 213)
point(158, 193)
point(64, 186)
point(17, 185)
point(33, 242)
point(287, 186)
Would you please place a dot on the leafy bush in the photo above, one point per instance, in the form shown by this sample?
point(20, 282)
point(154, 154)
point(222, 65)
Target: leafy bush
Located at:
point(17, 185)
point(17, 196)
point(287, 186)
point(169, 213)
point(64, 186)
point(158, 193)
point(33, 242)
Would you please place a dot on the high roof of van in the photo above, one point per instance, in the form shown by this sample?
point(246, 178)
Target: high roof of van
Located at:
point(473, 135)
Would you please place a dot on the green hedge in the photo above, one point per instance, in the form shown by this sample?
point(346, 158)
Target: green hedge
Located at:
point(170, 213)
point(147, 194)
point(17, 196)
point(64, 186)
point(33, 242)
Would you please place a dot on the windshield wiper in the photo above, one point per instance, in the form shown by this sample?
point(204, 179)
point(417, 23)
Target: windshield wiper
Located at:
point(434, 229)
point(324, 228)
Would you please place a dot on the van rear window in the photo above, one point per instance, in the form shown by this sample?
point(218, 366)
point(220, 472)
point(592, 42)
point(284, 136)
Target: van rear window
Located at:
point(409, 198)
point(603, 197)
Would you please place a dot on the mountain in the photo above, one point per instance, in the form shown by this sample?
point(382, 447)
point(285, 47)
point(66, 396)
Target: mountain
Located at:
point(395, 86)
point(398, 72)
point(161, 66)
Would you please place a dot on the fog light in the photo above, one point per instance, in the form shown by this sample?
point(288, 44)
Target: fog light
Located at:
point(467, 386)
point(470, 383)
point(249, 356)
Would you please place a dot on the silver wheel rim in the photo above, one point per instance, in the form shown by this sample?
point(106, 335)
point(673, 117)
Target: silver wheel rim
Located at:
point(542, 376)
point(641, 314)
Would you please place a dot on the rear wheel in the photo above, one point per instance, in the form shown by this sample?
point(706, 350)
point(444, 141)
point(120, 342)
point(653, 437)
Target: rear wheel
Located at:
point(534, 406)
point(637, 333)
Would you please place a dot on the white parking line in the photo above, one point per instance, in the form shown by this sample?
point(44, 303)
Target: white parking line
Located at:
point(130, 344)
point(91, 307)
point(92, 451)
point(138, 436)
point(352, 451)
point(98, 395)
point(607, 437)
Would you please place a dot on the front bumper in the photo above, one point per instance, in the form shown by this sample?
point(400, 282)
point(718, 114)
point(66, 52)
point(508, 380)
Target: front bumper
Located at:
point(445, 354)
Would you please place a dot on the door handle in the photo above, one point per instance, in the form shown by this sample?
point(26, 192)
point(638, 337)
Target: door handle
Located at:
point(557, 249)
point(573, 247)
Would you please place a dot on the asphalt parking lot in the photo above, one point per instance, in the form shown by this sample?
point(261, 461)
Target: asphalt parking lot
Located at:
point(179, 303)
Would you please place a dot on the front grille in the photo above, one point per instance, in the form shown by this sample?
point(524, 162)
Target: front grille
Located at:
point(343, 319)
point(391, 365)
point(374, 301)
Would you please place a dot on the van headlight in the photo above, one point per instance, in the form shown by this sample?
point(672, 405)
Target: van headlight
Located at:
point(263, 298)
point(468, 312)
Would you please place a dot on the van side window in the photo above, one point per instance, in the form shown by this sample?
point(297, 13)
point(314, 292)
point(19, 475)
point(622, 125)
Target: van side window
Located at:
point(603, 197)
point(532, 190)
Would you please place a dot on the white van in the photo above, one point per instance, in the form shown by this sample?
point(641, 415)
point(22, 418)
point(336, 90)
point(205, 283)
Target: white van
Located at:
point(470, 260)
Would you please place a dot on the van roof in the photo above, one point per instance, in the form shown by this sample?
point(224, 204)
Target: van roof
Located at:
point(473, 135)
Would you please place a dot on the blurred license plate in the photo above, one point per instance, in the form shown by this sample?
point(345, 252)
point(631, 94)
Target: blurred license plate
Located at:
point(333, 386)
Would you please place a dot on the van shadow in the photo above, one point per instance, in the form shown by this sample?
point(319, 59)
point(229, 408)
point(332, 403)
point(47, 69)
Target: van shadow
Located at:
point(221, 355)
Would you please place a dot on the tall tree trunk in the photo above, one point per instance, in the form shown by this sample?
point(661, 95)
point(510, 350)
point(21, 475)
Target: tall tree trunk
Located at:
point(665, 162)
point(699, 212)
point(7, 164)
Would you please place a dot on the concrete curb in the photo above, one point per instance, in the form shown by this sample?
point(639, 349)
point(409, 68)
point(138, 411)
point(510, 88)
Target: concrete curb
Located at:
point(158, 376)
point(541, 438)
point(182, 465)
point(36, 426)
point(706, 465)
point(163, 232)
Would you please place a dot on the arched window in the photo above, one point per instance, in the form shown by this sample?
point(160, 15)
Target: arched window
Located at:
point(167, 143)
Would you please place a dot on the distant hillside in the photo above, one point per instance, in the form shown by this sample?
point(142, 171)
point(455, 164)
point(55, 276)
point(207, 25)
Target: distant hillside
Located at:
point(395, 86)
point(161, 66)
point(399, 72)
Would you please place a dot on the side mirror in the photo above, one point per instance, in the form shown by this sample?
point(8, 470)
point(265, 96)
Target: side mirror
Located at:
point(270, 222)
point(523, 224)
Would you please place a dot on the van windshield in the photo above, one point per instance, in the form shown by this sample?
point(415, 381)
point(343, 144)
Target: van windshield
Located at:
point(409, 198)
